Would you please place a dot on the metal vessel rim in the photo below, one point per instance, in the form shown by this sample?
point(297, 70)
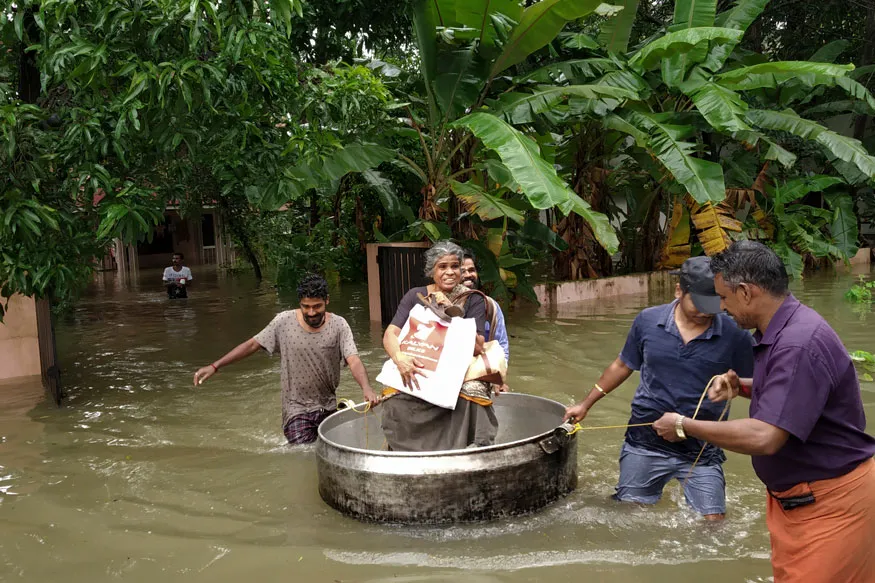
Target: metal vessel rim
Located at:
point(444, 452)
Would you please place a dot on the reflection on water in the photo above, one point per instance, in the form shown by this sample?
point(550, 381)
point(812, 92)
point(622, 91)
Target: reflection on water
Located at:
point(141, 476)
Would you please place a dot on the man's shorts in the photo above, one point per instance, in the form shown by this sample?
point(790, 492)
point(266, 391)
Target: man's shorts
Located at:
point(303, 428)
point(644, 473)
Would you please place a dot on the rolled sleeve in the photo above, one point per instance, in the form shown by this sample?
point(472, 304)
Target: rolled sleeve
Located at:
point(794, 392)
point(268, 338)
point(633, 351)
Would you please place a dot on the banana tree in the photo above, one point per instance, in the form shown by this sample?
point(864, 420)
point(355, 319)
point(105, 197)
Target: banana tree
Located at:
point(804, 230)
point(693, 102)
point(478, 174)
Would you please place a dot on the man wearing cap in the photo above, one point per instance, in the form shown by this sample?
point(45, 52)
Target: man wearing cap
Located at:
point(806, 434)
point(677, 347)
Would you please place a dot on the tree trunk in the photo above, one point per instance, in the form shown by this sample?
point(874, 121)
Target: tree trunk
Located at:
point(239, 232)
point(338, 199)
point(314, 211)
point(251, 257)
point(28, 74)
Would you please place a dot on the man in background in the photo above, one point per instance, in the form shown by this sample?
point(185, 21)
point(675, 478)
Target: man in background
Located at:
point(495, 326)
point(177, 277)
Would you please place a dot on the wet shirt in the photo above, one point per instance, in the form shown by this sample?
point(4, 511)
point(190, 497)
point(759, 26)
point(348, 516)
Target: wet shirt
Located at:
point(311, 361)
point(171, 274)
point(674, 374)
point(805, 383)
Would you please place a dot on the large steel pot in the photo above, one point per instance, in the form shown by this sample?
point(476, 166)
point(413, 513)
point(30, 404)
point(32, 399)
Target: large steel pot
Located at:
point(531, 465)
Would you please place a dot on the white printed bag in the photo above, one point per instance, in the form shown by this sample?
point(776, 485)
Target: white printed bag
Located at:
point(443, 348)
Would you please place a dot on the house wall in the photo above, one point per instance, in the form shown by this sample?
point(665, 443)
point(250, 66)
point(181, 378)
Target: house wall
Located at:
point(19, 342)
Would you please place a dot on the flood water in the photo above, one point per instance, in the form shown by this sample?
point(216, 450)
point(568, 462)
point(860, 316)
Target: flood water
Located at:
point(141, 477)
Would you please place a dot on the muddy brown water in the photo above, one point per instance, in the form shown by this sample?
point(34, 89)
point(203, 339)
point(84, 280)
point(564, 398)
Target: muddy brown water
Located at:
point(140, 477)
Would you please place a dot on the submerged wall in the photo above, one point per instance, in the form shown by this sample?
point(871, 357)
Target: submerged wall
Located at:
point(19, 340)
point(557, 294)
point(655, 282)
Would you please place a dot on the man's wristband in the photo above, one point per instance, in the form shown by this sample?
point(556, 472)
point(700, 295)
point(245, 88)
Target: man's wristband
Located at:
point(215, 368)
point(679, 427)
point(599, 389)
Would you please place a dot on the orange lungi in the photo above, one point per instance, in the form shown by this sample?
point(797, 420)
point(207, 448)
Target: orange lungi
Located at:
point(831, 540)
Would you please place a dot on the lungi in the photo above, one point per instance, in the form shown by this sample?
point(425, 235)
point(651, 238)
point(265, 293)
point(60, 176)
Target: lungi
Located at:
point(304, 428)
point(831, 540)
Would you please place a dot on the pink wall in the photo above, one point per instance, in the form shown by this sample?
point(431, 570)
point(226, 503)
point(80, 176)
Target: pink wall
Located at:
point(19, 345)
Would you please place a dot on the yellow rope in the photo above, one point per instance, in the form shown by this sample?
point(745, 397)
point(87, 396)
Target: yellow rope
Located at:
point(350, 404)
point(579, 427)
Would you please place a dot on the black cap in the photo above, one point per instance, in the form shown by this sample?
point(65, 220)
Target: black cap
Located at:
point(697, 279)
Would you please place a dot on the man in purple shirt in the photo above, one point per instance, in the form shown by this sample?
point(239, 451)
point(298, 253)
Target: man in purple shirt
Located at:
point(807, 428)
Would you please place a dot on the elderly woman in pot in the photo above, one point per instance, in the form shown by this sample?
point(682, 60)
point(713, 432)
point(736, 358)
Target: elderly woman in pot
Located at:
point(411, 424)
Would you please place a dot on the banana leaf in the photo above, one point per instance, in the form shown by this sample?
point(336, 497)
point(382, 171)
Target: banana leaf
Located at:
point(857, 91)
point(677, 247)
point(829, 52)
point(354, 158)
point(702, 179)
point(538, 26)
point(839, 107)
point(626, 80)
point(577, 41)
point(770, 75)
point(523, 107)
point(678, 43)
point(792, 260)
point(741, 15)
point(843, 225)
point(723, 108)
point(575, 71)
point(842, 147)
point(796, 189)
point(485, 205)
point(712, 223)
point(476, 14)
point(388, 196)
point(457, 85)
point(535, 176)
point(694, 13)
point(615, 31)
point(427, 16)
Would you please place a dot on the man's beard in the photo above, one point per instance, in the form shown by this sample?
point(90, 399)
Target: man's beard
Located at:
point(315, 321)
point(474, 283)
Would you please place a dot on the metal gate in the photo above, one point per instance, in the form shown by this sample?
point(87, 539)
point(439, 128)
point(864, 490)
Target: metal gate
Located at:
point(401, 268)
point(48, 354)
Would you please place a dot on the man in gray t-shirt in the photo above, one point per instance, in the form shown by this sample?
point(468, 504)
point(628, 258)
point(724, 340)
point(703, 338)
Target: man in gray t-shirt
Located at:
point(313, 344)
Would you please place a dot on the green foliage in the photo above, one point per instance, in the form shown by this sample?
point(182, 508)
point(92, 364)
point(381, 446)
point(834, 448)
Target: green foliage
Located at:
point(861, 292)
point(807, 230)
point(865, 363)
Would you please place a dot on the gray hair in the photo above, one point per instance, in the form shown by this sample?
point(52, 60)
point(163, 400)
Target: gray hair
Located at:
point(753, 263)
point(438, 250)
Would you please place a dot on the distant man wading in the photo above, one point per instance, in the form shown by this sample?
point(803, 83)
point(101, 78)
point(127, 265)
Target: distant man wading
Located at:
point(806, 433)
point(677, 347)
point(177, 277)
point(312, 344)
